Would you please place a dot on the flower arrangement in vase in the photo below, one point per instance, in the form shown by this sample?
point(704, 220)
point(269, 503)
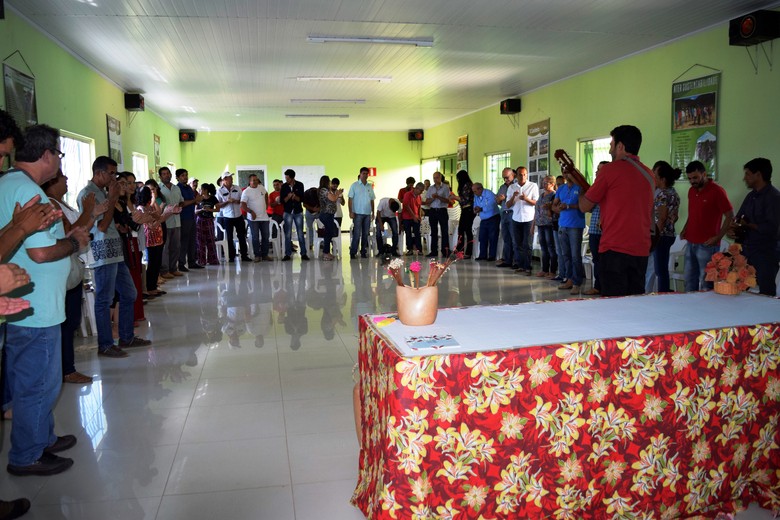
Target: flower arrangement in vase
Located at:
point(730, 271)
point(418, 305)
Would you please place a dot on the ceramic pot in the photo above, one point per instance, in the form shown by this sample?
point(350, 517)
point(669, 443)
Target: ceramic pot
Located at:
point(417, 306)
point(727, 288)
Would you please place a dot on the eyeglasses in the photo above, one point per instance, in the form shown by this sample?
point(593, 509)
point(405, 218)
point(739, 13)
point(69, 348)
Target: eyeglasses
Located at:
point(57, 152)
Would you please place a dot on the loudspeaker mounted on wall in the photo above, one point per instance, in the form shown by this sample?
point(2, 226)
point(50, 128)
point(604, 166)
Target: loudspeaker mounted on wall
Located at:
point(754, 28)
point(187, 136)
point(510, 106)
point(416, 135)
point(134, 102)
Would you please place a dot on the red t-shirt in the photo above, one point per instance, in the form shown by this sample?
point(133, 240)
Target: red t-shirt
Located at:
point(626, 200)
point(402, 193)
point(411, 206)
point(276, 210)
point(705, 212)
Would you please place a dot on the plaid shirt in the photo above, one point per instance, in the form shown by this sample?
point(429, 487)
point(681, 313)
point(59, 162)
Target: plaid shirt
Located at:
point(595, 225)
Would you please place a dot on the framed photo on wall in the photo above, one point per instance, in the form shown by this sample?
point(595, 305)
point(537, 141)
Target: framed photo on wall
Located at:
point(20, 96)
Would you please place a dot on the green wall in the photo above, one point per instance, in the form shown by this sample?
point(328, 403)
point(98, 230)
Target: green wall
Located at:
point(72, 97)
point(637, 90)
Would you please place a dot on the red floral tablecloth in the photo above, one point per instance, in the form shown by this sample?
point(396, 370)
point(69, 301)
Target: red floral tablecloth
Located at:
point(672, 426)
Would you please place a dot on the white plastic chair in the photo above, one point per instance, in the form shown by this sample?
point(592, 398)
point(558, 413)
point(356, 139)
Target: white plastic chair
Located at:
point(587, 260)
point(475, 230)
point(425, 234)
point(276, 229)
point(222, 245)
point(676, 255)
point(453, 229)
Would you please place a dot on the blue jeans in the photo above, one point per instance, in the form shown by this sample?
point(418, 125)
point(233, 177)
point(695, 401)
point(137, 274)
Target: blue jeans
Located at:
point(362, 225)
point(547, 245)
point(650, 278)
point(297, 218)
point(34, 370)
point(331, 231)
point(661, 258)
point(311, 231)
point(696, 258)
point(508, 235)
point(259, 229)
point(522, 243)
point(109, 279)
point(571, 246)
point(488, 236)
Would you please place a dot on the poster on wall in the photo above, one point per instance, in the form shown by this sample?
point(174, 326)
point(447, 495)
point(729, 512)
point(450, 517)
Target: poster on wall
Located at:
point(156, 152)
point(695, 122)
point(20, 97)
point(463, 153)
point(538, 150)
point(115, 140)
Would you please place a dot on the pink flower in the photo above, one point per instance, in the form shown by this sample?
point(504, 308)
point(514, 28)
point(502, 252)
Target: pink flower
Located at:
point(415, 267)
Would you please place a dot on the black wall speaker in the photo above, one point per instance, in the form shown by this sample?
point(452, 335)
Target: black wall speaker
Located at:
point(754, 28)
point(187, 136)
point(134, 102)
point(2, 10)
point(416, 135)
point(510, 106)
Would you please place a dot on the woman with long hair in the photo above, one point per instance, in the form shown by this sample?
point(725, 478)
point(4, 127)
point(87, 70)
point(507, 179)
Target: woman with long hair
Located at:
point(328, 199)
point(543, 220)
point(666, 206)
point(56, 189)
point(123, 219)
point(205, 243)
point(466, 199)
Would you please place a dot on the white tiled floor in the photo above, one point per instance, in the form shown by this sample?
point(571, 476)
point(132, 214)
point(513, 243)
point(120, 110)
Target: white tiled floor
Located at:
point(242, 409)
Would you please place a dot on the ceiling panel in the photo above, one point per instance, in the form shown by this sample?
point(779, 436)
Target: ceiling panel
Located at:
point(235, 62)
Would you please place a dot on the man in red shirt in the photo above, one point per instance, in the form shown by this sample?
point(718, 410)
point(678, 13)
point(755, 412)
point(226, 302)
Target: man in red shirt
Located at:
point(275, 207)
point(708, 204)
point(410, 217)
point(403, 191)
point(624, 189)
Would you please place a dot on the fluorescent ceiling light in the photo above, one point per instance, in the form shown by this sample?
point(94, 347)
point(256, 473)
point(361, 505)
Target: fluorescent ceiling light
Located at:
point(417, 42)
point(338, 116)
point(343, 101)
point(380, 79)
point(189, 109)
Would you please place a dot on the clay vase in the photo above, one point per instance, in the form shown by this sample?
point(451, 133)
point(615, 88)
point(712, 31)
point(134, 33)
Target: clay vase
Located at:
point(417, 306)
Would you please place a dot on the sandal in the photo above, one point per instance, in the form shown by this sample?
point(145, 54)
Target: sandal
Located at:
point(77, 378)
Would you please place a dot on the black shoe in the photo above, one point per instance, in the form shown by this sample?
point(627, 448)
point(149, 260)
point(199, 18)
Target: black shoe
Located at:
point(480, 258)
point(504, 264)
point(196, 266)
point(304, 257)
point(432, 255)
point(246, 259)
point(351, 256)
point(113, 352)
point(491, 259)
point(48, 464)
point(363, 255)
point(135, 342)
point(62, 443)
point(286, 257)
point(14, 508)
point(184, 269)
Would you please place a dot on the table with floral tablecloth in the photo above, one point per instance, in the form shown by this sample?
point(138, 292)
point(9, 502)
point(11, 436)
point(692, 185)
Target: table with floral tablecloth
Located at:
point(672, 423)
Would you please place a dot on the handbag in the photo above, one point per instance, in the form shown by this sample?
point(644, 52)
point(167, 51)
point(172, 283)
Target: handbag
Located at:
point(76, 274)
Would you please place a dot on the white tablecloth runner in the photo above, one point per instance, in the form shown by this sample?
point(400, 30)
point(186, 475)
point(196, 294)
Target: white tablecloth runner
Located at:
point(501, 327)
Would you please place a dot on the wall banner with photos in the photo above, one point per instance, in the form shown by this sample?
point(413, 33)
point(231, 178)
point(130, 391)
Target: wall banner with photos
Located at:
point(114, 127)
point(538, 150)
point(20, 97)
point(695, 122)
point(463, 153)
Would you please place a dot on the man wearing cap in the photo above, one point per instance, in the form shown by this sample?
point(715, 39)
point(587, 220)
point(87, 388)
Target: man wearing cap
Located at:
point(229, 202)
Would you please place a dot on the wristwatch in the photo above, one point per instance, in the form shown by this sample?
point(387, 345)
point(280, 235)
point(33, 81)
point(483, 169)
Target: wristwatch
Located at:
point(75, 244)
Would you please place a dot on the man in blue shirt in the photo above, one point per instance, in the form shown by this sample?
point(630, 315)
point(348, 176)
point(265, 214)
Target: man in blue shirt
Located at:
point(187, 252)
point(486, 207)
point(361, 211)
point(570, 228)
point(33, 337)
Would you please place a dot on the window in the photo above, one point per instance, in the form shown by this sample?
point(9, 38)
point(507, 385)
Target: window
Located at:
point(77, 164)
point(591, 153)
point(428, 167)
point(140, 167)
point(494, 165)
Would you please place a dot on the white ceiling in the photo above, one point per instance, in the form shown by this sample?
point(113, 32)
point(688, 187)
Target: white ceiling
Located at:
point(235, 62)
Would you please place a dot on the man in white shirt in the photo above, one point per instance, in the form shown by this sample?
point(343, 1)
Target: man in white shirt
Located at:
point(521, 197)
point(438, 198)
point(229, 197)
point(254, 201)
point(387, 213)
point(173, 197)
